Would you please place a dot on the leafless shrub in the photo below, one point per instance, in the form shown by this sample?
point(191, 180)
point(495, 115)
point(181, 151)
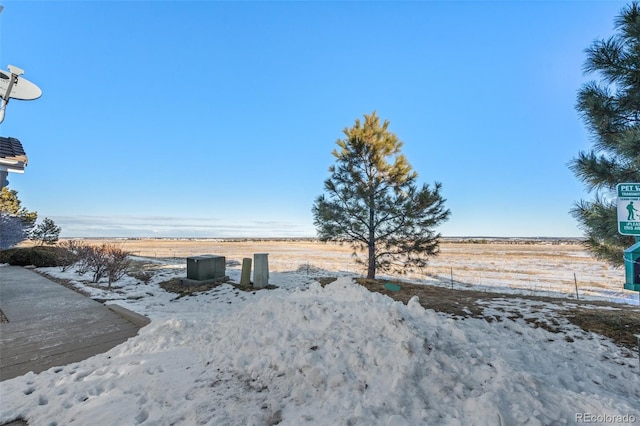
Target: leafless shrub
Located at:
point(69, 255)
point(117, 262)
point(96, 261)
point(102, 261)
point(84, 253)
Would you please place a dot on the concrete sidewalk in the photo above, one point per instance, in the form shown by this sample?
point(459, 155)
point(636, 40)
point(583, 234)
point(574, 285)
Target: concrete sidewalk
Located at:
point(51, 325)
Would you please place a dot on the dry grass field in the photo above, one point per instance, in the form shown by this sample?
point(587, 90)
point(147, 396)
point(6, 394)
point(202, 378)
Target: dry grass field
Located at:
point(539, 268)
point(542, 270)
point(486, 272)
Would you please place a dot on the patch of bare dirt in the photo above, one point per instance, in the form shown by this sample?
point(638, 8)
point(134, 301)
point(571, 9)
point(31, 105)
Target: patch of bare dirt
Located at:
point(621, 325)
point(618, 322)
point(176, 286)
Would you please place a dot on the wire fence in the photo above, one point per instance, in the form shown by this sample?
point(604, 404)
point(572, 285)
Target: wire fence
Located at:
point(542, 270)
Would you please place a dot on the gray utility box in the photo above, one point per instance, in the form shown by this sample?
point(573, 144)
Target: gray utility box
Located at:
point(205, 267)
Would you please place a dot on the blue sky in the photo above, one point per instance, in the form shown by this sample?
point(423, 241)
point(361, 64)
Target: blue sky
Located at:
point(214, 119)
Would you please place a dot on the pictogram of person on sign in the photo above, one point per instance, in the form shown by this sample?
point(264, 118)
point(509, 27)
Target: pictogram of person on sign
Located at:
point(632, 210)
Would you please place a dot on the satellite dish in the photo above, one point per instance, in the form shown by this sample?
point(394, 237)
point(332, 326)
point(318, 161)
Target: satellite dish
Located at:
point(20, 89)
point(16, 87)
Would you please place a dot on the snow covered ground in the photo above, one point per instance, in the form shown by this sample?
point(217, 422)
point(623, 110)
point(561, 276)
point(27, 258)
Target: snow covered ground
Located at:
point(338, 355)
point(543, 268)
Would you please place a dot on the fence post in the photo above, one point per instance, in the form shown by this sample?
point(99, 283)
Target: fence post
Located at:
point(452, 278)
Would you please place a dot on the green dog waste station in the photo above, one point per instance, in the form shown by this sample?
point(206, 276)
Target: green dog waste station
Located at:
point(632, 267)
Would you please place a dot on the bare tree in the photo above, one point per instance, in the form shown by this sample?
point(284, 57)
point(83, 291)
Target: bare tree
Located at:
point(117, 263)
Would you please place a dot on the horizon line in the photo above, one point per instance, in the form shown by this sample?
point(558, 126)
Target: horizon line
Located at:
point(308, 237)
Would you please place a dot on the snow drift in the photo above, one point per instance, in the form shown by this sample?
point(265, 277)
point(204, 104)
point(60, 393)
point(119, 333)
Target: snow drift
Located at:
point(333, 355)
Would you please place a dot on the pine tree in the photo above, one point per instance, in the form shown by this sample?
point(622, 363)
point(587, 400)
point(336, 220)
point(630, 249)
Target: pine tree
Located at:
point(12, 231)
point(11, 205)
point(15, 220)
point(372, 201)
point(46, 233)
point(611, 111)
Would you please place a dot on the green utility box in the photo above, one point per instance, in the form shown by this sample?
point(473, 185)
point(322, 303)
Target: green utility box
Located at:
point(205, 267)
point(632, 267)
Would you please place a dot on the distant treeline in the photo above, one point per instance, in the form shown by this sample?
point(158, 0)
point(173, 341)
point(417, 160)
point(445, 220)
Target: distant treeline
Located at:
point(514, 240)
point(460, 240)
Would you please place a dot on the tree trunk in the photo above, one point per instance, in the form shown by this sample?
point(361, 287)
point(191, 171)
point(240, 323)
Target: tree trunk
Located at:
point(371, 244)
point(371, 269)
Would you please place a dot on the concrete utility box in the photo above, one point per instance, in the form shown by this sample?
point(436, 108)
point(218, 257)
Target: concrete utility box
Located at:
point(245, 276)
point(632, 267)
point(260, 270)
point(205, 267)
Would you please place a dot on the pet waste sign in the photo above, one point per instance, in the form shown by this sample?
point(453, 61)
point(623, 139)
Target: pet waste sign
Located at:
point(629, 208)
